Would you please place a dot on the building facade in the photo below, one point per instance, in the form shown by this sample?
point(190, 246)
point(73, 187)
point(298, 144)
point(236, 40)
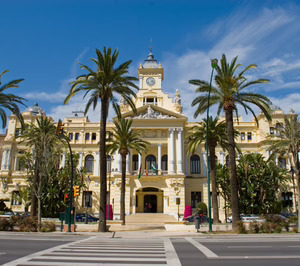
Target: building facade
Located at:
point(172, 178)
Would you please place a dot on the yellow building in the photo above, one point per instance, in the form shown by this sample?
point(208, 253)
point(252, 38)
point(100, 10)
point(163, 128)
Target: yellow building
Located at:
point(179, 176)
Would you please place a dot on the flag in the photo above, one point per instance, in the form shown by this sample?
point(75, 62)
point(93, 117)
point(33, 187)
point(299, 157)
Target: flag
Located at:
point(140, 172)
point(154, 168)
point(146, 169)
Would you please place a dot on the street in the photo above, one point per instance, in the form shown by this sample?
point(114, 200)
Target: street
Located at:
point(125, 249)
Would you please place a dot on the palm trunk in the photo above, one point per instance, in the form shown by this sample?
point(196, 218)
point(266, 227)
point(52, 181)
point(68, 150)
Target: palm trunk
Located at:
point(122, 200)
point(103, 178)
point(233, 175)
point(213, 173)
point(297, 171)
point(39, 214)
point(34, 200)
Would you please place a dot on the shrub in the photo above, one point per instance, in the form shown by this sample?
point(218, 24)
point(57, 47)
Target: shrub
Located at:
point(202, 206)
point(5, 225)
point(295, 229)
point(241, 228)
point(254, 227)
point(286, 225)
point(278, 229)
point(266, 228)
point(28, 224)
point(48, 226)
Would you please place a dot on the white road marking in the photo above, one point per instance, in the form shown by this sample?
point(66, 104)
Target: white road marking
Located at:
point(257, 257)
point(207, 252)
point(293, 246)
point(85, 264)
point(31, 256)
point(249, 246)
point(96, 258)
point(171, 254)
point(115, 250)
point(108, 254)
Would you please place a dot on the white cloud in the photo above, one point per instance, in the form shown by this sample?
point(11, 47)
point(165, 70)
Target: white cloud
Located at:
point(57, 97)
point(255, 39)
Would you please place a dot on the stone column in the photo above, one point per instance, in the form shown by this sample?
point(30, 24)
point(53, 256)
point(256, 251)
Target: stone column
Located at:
point(119, 163)
point(80, 159)
point(171, 149)
point(187, 165)
point(140, 161)
point(159, 152)
point(97, 163)
point(205, 163)
point(222, 156)
point(128, 163)
point(180, 152)
point(91, 137)
point(141, 82)
point(8, 159)
point(3, 164)
point(63, 163)
point(115, 162)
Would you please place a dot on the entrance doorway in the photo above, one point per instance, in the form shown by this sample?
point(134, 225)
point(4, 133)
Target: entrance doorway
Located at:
point(150, 203)
point(149, 200)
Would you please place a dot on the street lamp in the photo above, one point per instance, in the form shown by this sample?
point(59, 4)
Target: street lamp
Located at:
point(61, 134)
point(214, 63)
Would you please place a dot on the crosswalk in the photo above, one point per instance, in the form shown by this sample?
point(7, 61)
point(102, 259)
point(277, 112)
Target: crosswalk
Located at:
point(108, 251)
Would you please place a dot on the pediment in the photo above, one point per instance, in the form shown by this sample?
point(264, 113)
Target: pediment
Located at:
point(150, 111)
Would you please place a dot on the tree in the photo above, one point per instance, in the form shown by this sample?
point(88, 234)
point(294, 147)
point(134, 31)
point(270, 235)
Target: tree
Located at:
point(123, 140)
point(287, 141)
point(44, 161)
point(223, 185)
point(217, 135)
point(229, 92)
point(103, 85)
point(259, 184)
point(9, 101)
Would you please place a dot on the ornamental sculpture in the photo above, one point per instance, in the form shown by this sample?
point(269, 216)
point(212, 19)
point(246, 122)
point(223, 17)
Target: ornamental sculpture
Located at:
point(151, 114)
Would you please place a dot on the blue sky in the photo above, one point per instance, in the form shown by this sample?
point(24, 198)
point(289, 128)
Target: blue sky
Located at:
point(41, 41)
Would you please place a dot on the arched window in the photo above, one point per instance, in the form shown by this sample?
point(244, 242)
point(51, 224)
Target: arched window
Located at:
point(89, 163)
point(164, 162)
point(150, 161)
point(195, 164)
point(108, 163)
point(135, 162)
point(282, 162)
point(227, 160)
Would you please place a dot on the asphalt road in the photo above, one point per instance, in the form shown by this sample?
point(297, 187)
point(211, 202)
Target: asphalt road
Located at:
point(51, 249)
point(17, 245)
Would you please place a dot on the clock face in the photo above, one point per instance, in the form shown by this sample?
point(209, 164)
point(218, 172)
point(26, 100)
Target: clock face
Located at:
point(150, 81)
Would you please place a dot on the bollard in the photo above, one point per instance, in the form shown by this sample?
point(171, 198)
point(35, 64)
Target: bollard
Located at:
point(197, 222)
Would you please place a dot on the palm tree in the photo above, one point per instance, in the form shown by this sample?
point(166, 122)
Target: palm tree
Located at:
point(103, 85)
point(217, 135)
point(9, 101)
point(41, 136)
point(123, 139)
point(229, 92)
point(287, 141)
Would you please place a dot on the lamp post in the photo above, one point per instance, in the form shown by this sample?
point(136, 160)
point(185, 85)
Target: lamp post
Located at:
point(214, 63)
point(61, 134)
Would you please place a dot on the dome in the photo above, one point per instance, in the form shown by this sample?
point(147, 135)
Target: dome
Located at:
point(36, 110)
point(150, 62)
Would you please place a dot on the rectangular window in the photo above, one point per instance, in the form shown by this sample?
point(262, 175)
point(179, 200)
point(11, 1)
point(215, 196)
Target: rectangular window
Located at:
point(87, 136)
point(16, 198)
point(87, 199)
point(71, 136)
point(272, 130)
point(249, 136)
point(287, 199)
point(77, 136)
point(243, 136)
point(93, 136)
point(196, 198)
point(17, 132)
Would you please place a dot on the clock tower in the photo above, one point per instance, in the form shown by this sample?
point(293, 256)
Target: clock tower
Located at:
point(151, 76)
